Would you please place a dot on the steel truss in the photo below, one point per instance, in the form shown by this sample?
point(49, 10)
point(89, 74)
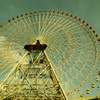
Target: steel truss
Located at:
point(70, 65)
point(33, 78)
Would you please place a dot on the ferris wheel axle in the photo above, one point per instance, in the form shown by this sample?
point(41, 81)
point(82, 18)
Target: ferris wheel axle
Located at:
point(37, 46)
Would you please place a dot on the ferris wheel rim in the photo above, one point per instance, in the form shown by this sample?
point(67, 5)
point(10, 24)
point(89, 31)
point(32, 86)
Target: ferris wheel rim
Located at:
point(49, 35)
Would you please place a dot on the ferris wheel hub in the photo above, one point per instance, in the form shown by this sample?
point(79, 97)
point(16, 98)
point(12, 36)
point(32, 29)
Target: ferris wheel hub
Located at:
point(68, 67)
point(37, 46)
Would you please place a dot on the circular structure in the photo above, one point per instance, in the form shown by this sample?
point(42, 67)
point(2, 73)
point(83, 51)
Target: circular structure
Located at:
point(72, 49)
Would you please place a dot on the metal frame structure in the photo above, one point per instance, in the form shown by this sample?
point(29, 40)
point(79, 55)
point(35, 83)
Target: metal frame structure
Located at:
point(68, 68)
point(36, 80)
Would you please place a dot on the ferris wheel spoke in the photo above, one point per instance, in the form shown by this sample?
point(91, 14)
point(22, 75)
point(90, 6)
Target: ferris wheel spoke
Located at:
point(39, 23)
point(58, 23)
point(12, 70)
point(57, 27)
point(60, 27)
point(28, 22)
point(44, 22)
point(48, 22)
point(68, 67)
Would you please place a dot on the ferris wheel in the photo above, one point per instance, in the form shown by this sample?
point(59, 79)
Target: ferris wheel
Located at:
point(48, 55)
